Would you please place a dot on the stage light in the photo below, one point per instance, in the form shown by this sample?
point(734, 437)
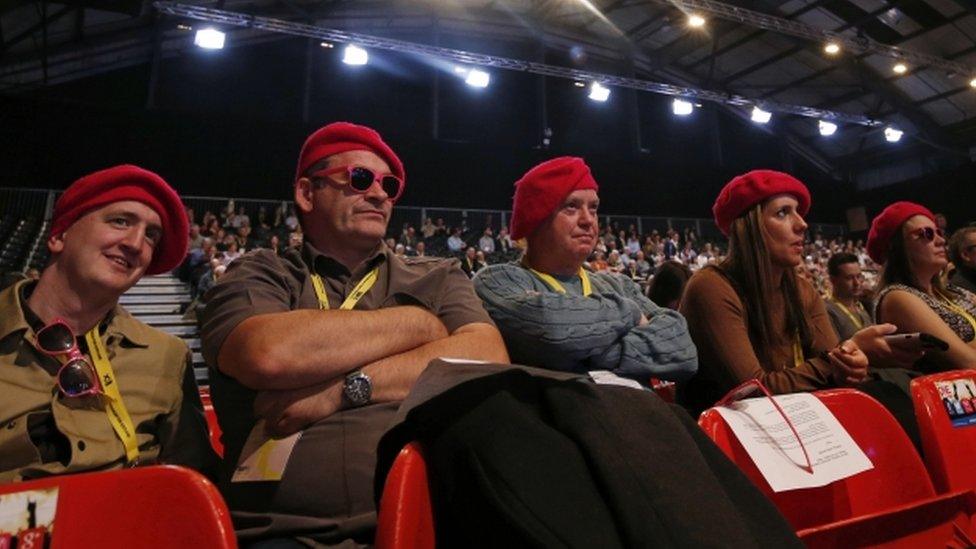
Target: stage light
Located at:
point(760, 116)
point(832, 48)
point(827, 128)
point(579, 84)
point(972, 83)
point(893, 135)
point(209, 39)
point(477, 79)
point(354, 55)
point(327, 45)
point(696, 21)
point(183, 27)
point(599, 92)
point(681, 107)
point(900, 68)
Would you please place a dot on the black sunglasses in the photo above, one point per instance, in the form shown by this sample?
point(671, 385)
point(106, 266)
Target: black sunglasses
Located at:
point(361, 180)
point(928, 233)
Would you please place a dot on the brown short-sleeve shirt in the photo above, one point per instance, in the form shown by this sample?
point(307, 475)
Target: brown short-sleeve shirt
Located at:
point(261, 282)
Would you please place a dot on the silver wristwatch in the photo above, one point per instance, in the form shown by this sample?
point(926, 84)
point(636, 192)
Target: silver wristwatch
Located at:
point(357, 389)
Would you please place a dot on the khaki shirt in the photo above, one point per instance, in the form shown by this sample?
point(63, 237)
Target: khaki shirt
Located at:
point(152, 370)
point(843, 325)
point(261, 282)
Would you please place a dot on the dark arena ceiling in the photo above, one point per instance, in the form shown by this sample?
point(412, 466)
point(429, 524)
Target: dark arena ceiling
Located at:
point(746, 54)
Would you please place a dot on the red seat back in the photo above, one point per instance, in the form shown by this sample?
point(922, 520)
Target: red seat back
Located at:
point(145, 507)
point(898, 477)
point(949, 450)
point(213, 425)
point(406, 520)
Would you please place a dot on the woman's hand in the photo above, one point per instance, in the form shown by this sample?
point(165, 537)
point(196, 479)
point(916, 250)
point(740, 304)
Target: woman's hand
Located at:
point(882, 353)
point(849, 364)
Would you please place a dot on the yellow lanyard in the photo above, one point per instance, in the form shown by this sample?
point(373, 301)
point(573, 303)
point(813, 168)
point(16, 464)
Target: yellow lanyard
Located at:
point(854, 318)
point(557, 287)
point(797, 351)
point(960, 311)
point(357, 293)
point(117, 414)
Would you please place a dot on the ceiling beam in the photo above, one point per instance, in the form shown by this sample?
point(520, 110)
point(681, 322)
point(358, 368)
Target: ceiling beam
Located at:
point(36, 27)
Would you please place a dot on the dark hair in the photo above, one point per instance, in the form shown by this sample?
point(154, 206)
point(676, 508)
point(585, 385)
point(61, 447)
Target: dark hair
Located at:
point(838, 259)
point(956, 242)
point(668, 284)
point(749, 268)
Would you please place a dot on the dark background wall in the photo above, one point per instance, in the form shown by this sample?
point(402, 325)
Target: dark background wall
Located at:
point(231, 122)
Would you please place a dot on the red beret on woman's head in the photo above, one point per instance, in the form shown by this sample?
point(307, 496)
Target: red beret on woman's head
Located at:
point(749, 189)
point(128, 182)
point(885, 226)
point(340, 137)
point(543, 188)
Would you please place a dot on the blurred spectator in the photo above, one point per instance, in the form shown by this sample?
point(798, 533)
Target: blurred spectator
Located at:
point(668, 284)
point(847, 314)
point(505, 243)
point(33, 274)
point(455, 244)
point(614, 265)
point(400, 250)
point(428, 229)
point(487, 243)
point(295, 240)
point(599, 264)
point(196, 239)
point(420, 250)
point(962, 253)
point(470, 264)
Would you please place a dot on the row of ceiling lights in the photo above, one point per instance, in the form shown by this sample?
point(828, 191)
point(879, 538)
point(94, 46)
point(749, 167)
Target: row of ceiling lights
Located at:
point(210, 38)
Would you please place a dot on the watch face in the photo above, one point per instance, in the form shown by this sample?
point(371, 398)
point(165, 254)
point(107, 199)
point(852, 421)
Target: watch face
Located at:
point(358, 389)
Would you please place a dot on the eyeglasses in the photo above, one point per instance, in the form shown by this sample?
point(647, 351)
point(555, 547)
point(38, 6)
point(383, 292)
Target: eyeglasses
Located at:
point(77, 377)
point(361, 179)
point(928, 233)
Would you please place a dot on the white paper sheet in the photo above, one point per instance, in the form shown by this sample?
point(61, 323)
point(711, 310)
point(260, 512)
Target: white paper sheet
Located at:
point(772, 446)
point(606, 377)
point(264, 458)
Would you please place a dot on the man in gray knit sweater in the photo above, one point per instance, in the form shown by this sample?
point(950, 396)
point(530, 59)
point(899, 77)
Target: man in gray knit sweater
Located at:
point(554, 314)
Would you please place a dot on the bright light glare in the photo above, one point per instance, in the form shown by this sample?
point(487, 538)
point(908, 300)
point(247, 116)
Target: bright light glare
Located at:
point(900, 68)
point(599, 92)
point(827, 128)
point(893, 135)
point(354, 55)
point(972, 83)
point(681, 107)
point(477, 79)
point(832, 48)
point(696, 21)
point(760, 116)
point(209, 38)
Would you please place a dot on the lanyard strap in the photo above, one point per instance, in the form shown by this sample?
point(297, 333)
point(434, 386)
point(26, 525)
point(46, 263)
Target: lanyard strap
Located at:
point(115, 409)
point(357, 293)
point(854, 318)
point(557, 287)
point(797, 351)
point(960, 311)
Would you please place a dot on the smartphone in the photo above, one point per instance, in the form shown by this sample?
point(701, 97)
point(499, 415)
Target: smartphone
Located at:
point(927, 341)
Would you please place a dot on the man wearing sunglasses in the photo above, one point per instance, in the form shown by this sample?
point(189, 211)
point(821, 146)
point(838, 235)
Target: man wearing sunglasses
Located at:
point(554, 314)
point(86, 386)
point(328, 339)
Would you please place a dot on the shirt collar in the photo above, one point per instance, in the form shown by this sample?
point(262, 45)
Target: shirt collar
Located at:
point(13, 315)
point(328, 266)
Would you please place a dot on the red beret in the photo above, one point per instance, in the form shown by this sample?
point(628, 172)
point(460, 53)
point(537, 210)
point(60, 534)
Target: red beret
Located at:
point(749, 189)
point(340, 137)
point(128, 182)
point(543, 188)
point(885, 226)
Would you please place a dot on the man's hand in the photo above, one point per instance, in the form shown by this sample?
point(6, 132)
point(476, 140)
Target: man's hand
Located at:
point(849, 363)
point(291, 410)
point(887, 354)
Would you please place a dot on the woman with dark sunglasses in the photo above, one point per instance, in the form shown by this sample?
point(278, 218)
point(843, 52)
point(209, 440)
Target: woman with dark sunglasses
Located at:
point(904, 239)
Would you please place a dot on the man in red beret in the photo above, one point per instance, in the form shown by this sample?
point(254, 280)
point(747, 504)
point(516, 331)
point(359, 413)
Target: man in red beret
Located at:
point(553, 313)
point(85, 385)
point(325, 341)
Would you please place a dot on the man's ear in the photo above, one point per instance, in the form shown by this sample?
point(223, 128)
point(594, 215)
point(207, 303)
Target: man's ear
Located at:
point(55, 243)
point(303, 194)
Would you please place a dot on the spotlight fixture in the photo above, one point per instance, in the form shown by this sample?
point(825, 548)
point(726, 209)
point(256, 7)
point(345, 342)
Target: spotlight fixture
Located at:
point(327, 45)
point(579, 84)
point(760, 116)
point(183, 27)
point(827, 128)
point(972, 83)
point(900, 68)
point(477, 79)
point(892, 134)
point(354, 55)
point(209, 39)
point(681, 107)
point(832, 48)
point(599, 92)
point(696, 21)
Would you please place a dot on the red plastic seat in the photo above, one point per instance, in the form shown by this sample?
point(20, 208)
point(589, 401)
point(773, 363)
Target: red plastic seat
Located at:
point(212, 424)
point(891, 505)
point(406, 520)
point(948, 450)
point(664, 389)
point(147, 507)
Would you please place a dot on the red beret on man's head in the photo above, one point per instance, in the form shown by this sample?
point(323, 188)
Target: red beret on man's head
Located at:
point(340, 137)
point(543, 188)
point(128, 182)
point(885, 226)
point(749, 189)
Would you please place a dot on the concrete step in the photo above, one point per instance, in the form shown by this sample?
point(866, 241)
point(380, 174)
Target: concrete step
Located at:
point(202, 375)
point(162, 280)
point(192, 342)
point(198, 360)
point(158, 290)
point(160, 320)
point(138, 310)
point(128, 299)
point(188, 330)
